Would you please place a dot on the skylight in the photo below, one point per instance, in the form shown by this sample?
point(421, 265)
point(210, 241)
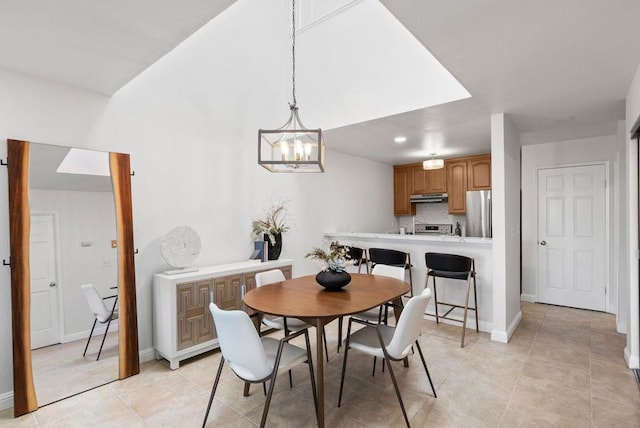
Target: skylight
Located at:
point(88, 162)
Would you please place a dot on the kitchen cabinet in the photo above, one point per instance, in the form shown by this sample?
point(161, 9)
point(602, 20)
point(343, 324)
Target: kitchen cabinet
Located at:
point(402, 189)
point(479, 173)
point(427, 182)
point(456, 185)
point(182, 323)
point(458, 176)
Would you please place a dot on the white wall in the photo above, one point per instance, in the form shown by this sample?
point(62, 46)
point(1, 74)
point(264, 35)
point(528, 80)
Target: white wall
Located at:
point(81, 217)
point(632, 351)
point(587, 150)
point(505, 182)
point(190, 124)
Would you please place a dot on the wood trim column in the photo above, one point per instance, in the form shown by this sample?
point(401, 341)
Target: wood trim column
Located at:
point(128, 315)
point(24, 394)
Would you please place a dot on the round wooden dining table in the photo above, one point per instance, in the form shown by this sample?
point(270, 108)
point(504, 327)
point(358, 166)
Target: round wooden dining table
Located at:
point(305, 299)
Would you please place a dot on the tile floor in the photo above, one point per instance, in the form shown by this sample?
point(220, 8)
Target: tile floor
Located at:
point(563, 367)
point(60, 370)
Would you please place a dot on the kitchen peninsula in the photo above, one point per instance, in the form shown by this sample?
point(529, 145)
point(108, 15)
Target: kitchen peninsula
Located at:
point(480, 249)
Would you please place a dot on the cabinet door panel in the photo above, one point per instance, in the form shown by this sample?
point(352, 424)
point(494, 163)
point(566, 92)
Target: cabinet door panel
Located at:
point(479, 173)
point(457, 186)
point(401, 191)
point(436, 181)
point(418, 180)
point(195, 324)
point(225, 293)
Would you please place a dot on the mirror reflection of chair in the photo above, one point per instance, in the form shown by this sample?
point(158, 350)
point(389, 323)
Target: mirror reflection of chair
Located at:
point(453, 266)
point(254, 359)
point(282, 323)
point(390, 343)
point(100, 311)
point(384, 256)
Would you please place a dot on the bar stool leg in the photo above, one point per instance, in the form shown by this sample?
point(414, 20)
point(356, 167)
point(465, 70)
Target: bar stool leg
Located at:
point(466, 308)
point(475, 300)
point(435, 297)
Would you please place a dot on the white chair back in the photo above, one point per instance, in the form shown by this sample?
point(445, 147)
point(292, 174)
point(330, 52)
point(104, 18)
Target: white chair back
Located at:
point(410, 325)
point(240, 344)
point(390, 271)
point(96, 304)
point(269, 277)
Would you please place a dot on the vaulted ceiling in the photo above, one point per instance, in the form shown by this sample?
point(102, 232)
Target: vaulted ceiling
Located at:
point(560, 70)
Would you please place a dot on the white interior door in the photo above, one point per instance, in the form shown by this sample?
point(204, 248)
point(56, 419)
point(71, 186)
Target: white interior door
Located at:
point(44, 291)
point(572, 244)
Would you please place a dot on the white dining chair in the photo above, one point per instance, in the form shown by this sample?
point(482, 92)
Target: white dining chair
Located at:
point(390, 343)
point(283, 323)
point(100, 311)
point(379, 313)
point(254, 359)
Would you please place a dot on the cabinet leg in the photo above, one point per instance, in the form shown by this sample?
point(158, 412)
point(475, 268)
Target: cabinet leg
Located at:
point(174, 364)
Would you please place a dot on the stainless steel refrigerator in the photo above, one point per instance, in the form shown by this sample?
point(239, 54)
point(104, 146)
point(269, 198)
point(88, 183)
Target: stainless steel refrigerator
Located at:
point(478, 221)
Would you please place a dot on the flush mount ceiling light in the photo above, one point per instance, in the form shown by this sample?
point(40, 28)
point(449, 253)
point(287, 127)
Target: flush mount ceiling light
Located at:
point(292, 147)
point(433, 163)
point(400, 140)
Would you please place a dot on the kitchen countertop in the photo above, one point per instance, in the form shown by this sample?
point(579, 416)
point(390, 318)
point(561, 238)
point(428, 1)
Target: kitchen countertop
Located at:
point(449, 239)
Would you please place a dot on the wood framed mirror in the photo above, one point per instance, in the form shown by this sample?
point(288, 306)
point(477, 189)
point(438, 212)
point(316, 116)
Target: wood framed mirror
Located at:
point(18, 155)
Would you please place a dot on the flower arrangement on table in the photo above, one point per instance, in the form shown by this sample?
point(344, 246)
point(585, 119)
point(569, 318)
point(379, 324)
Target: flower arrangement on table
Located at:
point(333, 264)
point(274, 222)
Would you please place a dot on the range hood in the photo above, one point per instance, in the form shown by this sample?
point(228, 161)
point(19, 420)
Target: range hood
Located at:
point(429, 199)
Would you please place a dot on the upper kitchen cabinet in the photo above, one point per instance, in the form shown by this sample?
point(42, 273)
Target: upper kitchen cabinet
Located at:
point(425, 182)
point(456, 171)
point(402, 189)
point(479, 173)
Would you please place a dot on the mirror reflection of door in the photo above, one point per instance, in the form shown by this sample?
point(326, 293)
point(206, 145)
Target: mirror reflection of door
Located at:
point(72, 229)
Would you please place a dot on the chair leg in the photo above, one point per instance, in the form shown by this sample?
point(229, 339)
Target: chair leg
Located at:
point(340, 332)
point(89, 339)
point(268, 400)
point(395, 387)
point(424, 364)
point(375, 360)
point(435, 298)
point(466, 309)
point(344, 362)
point(104, 338)
point(213, 391)
point(245, 392)
point(311, 374)
point(475, 301)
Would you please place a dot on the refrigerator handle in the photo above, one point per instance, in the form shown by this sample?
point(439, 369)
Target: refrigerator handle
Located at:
point(490, 215)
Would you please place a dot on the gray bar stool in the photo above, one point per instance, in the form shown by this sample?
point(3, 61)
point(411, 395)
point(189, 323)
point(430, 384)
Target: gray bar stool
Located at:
point(452, 266)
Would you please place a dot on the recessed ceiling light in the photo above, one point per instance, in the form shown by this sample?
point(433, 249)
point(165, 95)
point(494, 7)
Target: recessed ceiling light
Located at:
point(400, 140)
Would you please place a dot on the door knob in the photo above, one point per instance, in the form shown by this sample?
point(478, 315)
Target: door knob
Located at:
point(53, 284)
point(543, 242)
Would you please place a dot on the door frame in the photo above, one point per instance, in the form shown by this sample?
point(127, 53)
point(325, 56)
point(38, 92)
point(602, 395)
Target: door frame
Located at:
point(611, 296)
point(58, 278)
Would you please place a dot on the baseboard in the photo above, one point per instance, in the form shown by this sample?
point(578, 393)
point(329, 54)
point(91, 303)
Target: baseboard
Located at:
point(6, 400)
point(83, 335)
point(471, 323)
point(148, 354)
point(514, 324)
point(504, 336)
point(528, 298)
point(621, 327)
point(633, 362)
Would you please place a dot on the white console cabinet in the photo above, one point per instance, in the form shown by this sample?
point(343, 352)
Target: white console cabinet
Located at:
point(182, 324)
